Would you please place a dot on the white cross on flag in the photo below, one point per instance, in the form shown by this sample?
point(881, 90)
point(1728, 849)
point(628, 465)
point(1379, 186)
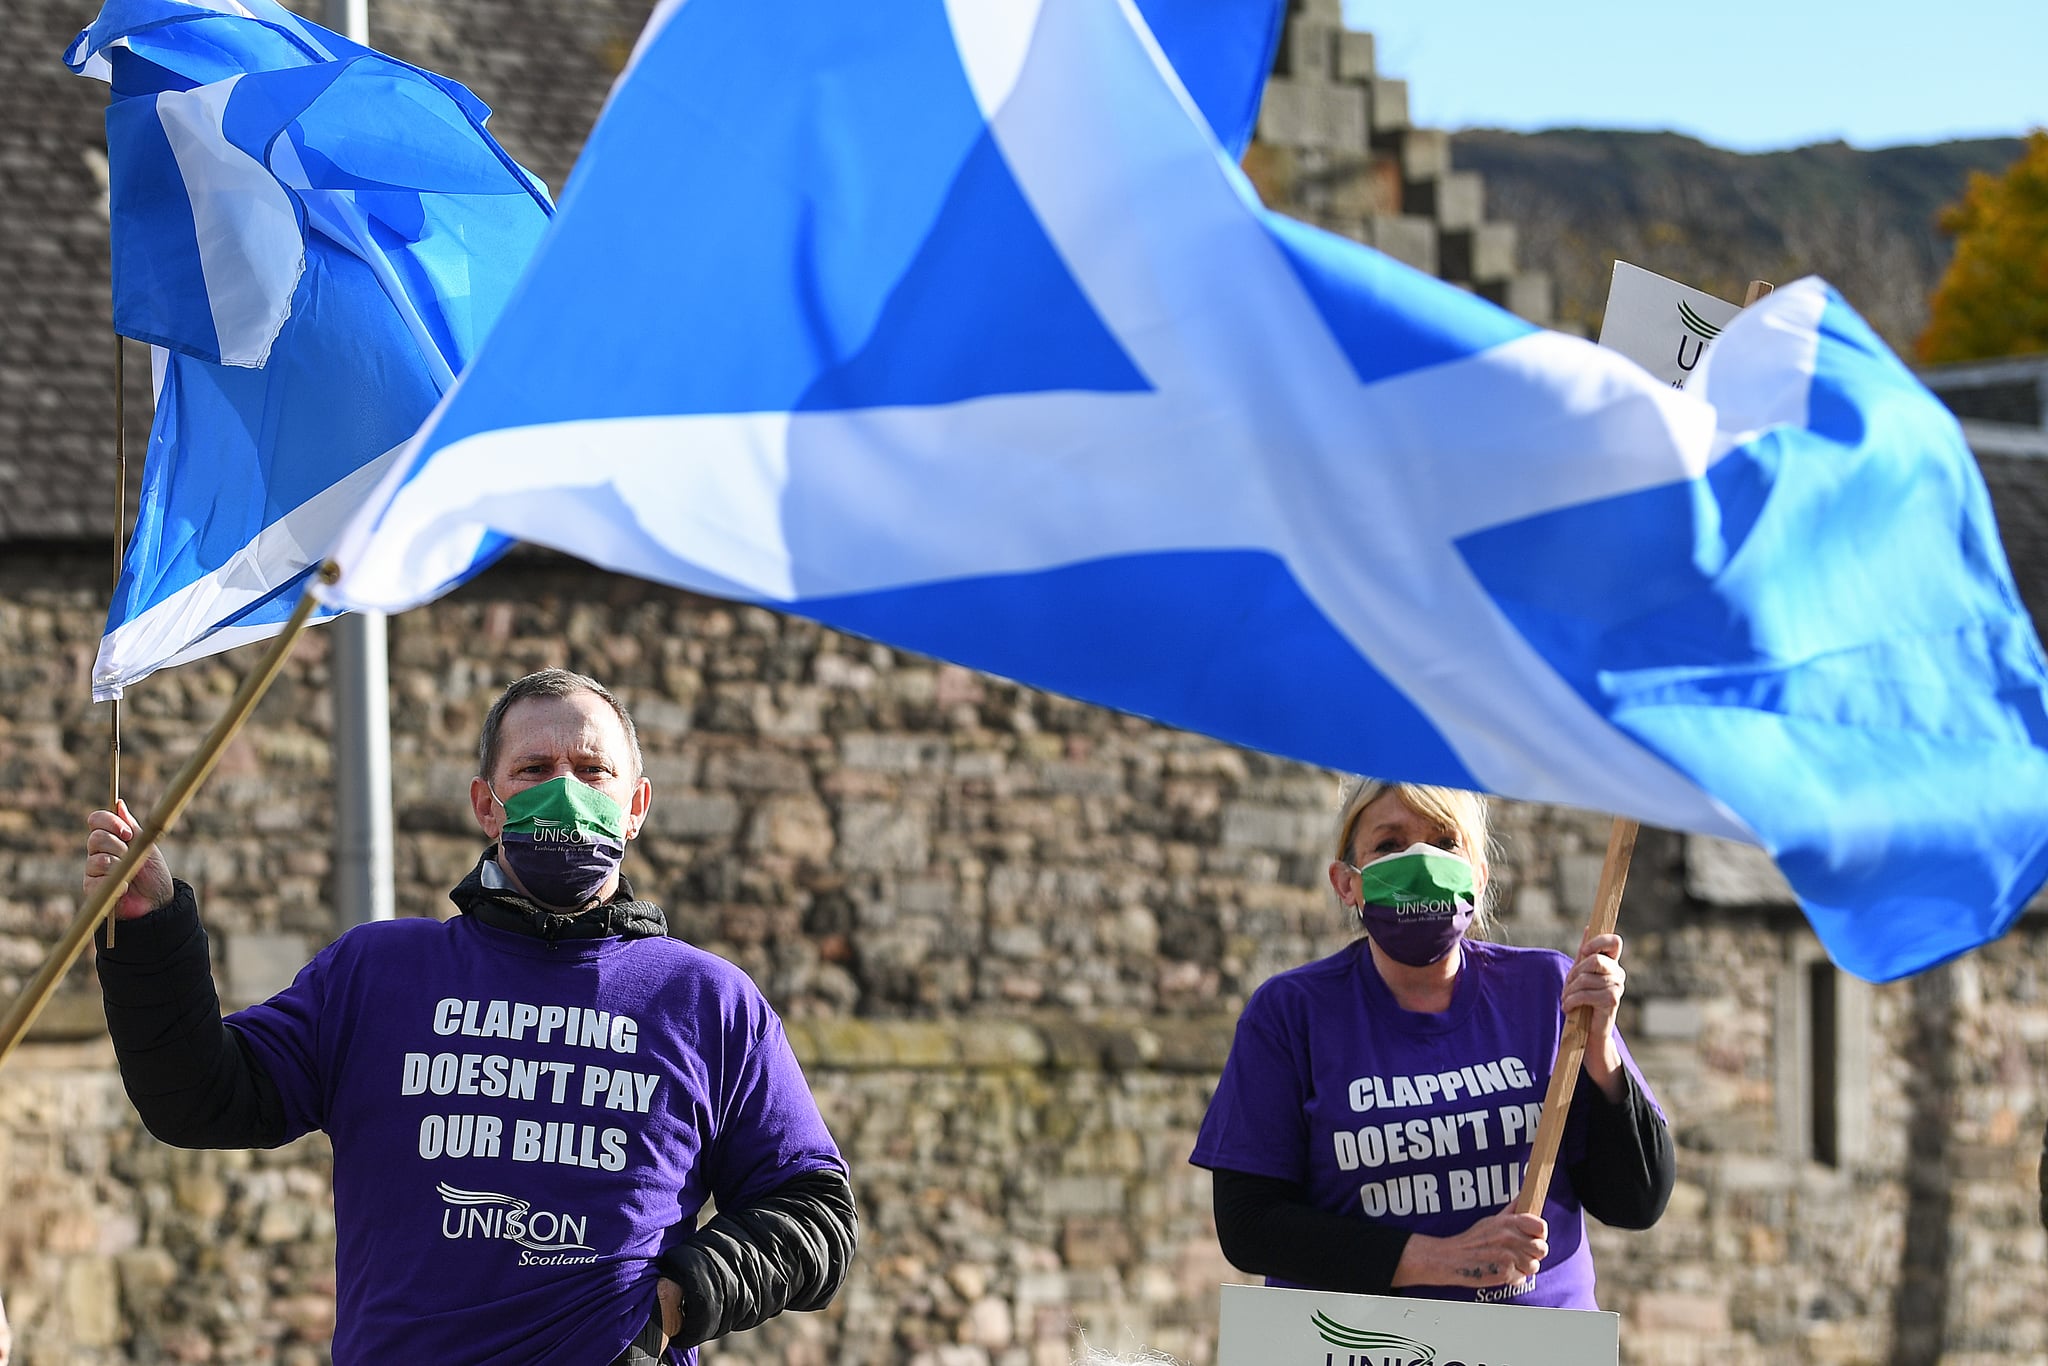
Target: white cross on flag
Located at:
point(956, 326)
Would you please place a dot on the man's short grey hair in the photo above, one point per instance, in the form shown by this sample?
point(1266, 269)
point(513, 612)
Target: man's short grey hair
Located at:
point(547, 683)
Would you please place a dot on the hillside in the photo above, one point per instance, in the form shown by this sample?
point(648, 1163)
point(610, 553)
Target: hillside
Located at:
point(1716, 219)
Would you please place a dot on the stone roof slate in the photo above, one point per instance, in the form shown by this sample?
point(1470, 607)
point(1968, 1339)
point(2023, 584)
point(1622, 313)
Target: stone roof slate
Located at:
point(544, 66)
point(56, 350)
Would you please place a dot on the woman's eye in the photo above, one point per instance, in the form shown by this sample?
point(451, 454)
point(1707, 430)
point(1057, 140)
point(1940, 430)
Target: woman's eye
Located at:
point(1388, 847)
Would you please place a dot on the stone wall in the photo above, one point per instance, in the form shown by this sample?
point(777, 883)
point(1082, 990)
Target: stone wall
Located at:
point(1011, 934)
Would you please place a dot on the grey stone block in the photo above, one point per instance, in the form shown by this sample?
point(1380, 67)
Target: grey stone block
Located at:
point(1273, 827)
point(1387, 104)
point(756, 770)
point(667, 772)
point(1425, 154)
point(1308, 50)
point(1578, 882)
point(1023, 942)
point(1482, 255)
point(261, 964)
point(1084, 1195)
point(1456, 199)
point(1667, 1019)
point(926, 896)
point(894, 753)
point(1753, 1172)
point(1100, 778)
point(1526, 294)
point(1411, 241)
point(657, 716)
point(882, 835)
point(1313, 116)
point(1723, 873)
point(694, 815)
point(1354, 56)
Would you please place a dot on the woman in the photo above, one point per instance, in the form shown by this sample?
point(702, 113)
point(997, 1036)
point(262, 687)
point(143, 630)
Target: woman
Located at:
point(1377, 1108)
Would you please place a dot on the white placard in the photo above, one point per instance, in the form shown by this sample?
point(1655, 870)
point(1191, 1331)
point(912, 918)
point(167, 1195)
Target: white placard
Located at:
point(1266, 1327)
point(1660, 324)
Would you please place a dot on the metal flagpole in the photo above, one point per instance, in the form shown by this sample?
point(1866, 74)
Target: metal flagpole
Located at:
point(363, 859)
point(120, 553)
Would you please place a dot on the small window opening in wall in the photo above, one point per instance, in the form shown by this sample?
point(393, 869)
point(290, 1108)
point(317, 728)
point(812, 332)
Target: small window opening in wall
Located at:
point(1823, 1061)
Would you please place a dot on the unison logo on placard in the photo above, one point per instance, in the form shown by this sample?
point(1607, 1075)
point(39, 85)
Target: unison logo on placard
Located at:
point(489, 1214)
point(1366, 1347)
point(1698, 332)
point(1695, 324)
point(1370, 1347)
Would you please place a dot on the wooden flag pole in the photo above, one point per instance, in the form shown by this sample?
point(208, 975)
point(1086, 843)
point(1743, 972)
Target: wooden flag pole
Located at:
point(161, 818)
point(120, 553)
point(1571, 1046)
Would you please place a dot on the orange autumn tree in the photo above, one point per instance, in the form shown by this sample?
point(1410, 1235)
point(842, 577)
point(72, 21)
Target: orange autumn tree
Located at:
point(1994, 299)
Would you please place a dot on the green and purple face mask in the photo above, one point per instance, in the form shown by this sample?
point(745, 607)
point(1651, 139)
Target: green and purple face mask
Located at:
point(562, 839)
point(1416, 904)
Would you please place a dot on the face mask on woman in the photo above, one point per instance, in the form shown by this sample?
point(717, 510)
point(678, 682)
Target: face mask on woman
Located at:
point(1417, 903)
point(562, 839)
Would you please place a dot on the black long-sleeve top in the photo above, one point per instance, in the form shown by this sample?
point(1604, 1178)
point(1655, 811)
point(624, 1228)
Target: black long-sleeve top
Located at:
point(196, 1083)
point(1268, 1227)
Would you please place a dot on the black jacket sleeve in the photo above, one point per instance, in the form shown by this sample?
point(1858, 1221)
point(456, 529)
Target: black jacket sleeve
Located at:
point(1625, 1178)
point(1267, 1227)
point(787, 1249)
point(2044, 1179)
point(190, 1076)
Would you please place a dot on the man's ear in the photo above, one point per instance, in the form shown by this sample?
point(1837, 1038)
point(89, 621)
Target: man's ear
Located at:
point(490, 816)
point(636, 810)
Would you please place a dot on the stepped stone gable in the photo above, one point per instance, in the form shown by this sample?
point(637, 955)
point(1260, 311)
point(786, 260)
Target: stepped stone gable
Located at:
point(1334, 146)
point(1010, 932)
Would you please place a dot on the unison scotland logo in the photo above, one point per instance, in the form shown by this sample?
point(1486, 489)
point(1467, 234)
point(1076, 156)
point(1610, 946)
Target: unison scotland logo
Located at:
point(488, 1214)
point(1368, 1348)
point(1695, 324)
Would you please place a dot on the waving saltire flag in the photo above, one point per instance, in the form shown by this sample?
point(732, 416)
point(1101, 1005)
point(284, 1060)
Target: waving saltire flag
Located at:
point(954, 325)
point(314, 238)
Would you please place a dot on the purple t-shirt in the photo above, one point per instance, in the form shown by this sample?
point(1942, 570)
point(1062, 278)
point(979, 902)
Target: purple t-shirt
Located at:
point(517, 1125)
point(1420, 1121)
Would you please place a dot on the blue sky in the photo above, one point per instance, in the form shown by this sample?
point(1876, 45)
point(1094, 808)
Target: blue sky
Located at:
point(1753, 75)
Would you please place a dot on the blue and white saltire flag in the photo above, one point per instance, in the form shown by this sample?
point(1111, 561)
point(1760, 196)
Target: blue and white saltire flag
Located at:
point(314, 238)
point(954, 325)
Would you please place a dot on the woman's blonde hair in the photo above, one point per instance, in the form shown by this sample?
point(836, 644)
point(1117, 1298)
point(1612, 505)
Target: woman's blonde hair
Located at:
point(1096, 1356)
point(1450, 808)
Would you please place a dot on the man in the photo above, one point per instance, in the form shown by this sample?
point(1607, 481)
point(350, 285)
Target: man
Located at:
point(530, 1103)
